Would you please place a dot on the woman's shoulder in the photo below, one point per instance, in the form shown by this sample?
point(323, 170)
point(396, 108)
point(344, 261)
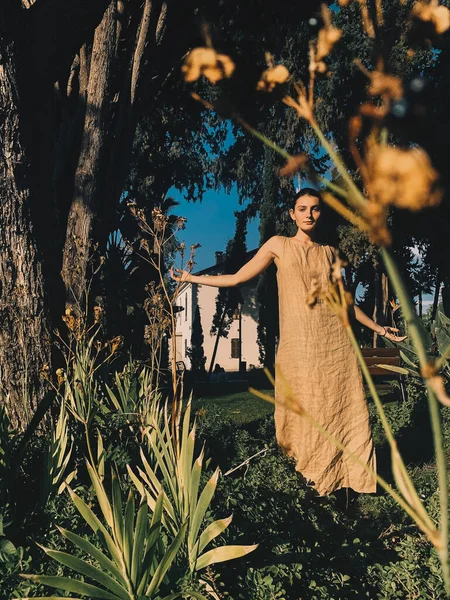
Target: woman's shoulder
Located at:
point(276, 241)
point(275, 245)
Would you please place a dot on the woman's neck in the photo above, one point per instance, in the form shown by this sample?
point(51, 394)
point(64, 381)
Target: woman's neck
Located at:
point(301, 236)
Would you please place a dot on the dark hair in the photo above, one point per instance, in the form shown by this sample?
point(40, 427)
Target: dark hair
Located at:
point(307, 191)
point(326, 232)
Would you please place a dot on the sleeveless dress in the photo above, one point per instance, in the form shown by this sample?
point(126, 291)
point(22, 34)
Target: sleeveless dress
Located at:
point(316, 368)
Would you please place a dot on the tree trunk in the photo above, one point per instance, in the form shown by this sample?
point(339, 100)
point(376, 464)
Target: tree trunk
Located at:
point(218, 336)
point(446, 295)
point(123, 42)
point(381, 300)
point(89, 183)
point(25, 329)
point(437, 290)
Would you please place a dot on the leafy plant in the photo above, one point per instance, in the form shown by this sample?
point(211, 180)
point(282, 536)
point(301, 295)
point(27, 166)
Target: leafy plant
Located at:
point(7, 548)
point(135, 395)
point(55, 475)
point(174, 465)
point(131, 563)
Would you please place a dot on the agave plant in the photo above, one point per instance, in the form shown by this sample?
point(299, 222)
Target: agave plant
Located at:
point(131, 563)
point(135, 396)
point(172, 461)
point(437, 351)
point(56, 476)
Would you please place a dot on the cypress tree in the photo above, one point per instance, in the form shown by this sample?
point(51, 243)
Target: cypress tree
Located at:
point(227, 299)
point(267, 290)
point(196, 352)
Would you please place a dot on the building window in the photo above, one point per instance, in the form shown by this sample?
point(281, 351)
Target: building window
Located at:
point(235, 347)
point(185, 347)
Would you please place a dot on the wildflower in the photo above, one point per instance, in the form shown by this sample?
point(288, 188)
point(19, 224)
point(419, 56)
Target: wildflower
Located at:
point(314, 292)
point(436, 383)
point(388, 86)
point(336, 269)
point(70, 318)
point(293, 165)
point(206, 61)
point(159, 219)
point(60, 376)
point(271, 77)
point(315, 66)
point(302, 106)
point(403, 178)
point(394, 306)
point(376, 216)
point(328, 37)
point(115, 343)
point(431, 12)
point(181, 222)
point(45, 372)
point(98, 313)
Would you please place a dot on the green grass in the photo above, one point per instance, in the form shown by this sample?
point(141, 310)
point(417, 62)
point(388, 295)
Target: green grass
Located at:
point(241, 407)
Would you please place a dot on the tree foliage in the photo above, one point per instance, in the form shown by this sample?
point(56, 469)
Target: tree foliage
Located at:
point(196, 352)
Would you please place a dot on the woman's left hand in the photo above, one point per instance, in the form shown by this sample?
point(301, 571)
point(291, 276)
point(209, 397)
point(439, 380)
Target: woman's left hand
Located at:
point(391, 334)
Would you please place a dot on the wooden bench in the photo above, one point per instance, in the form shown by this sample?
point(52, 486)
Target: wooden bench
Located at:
point(384, 356)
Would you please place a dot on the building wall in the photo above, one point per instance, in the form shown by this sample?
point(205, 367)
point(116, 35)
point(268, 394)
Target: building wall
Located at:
point(205, 296)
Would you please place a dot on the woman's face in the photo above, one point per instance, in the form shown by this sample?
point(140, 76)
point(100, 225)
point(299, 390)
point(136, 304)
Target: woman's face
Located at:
point(306, 213)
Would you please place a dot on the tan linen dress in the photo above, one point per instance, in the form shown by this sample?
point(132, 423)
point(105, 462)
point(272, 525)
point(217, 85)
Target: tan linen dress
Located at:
point(317, 367)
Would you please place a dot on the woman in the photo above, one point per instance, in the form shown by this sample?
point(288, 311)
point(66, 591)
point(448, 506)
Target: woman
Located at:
point(315, 364)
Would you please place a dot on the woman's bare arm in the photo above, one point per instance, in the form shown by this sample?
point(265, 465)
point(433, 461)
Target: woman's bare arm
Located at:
point(256, 265)
point(386, 331)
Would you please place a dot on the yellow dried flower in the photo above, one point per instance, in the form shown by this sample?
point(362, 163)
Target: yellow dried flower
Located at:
point(206, 61)
point(437, 385)
point(293, 165)
point(384, 85)
point(302, 106)
point(272, 77)
point(403, 178)
point(431, 12)
point(336, 269)
point(376, 216)
point(45, 372)
point(70, 318)
point(98, 313)
point(314, 292)
point(328, 37)
point(60, 376)
point(115, 343)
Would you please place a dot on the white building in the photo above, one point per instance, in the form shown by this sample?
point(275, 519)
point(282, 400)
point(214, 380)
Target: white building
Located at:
point(243, 328)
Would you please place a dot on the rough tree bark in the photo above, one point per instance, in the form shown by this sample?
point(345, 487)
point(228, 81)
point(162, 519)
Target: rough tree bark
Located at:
point(24, 323)
point(69, 103)
point(35, 43)
point(123, 42)
point(92, 164)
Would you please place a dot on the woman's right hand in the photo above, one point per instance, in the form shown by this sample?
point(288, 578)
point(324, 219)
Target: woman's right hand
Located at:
point(179, 275)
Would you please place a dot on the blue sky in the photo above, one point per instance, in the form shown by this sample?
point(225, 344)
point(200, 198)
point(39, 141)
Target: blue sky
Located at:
point(211, 223)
